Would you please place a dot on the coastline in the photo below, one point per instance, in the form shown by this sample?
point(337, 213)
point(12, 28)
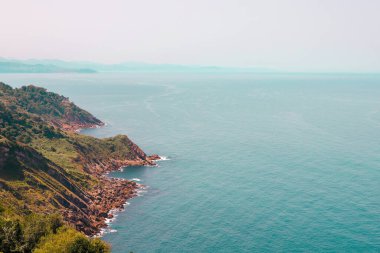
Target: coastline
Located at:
point(113, 213)
point(111, 195)
point(54, 175)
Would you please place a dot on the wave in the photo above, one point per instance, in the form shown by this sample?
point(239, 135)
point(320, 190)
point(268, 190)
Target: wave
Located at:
point(115, 212)
point(106, 231)
point(136, 179)
point(141, 191)
point(121, 169)
point(164, 158)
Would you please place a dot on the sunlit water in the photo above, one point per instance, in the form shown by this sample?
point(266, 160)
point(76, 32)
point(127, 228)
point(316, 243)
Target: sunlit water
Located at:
point(258, 163)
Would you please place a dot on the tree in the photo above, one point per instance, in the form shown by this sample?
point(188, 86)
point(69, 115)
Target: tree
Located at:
point(10, 236)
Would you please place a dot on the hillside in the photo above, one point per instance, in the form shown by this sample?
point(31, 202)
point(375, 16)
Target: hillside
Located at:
point(46, 167)
point(53, 108)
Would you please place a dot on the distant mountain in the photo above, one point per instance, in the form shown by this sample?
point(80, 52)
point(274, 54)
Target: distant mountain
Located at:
point(50, 66)
point(12, 66)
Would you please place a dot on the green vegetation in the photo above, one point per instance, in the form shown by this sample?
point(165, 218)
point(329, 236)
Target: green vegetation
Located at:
point(48, 104)
point(37, 233)
point(23, 235)
point(45, 170)
point(70, 241)
point(27, 102)
point(17, 125)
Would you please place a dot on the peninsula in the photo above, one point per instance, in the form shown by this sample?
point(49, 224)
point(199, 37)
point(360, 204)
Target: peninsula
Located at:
point(48, 168)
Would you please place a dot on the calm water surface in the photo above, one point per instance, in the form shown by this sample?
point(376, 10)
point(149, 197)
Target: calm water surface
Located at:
point(258, 163)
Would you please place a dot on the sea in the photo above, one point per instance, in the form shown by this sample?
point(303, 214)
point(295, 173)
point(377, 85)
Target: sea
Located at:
point(250, 162)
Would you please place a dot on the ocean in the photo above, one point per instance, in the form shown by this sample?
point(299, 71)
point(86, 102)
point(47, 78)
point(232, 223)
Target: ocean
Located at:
point(254, 162)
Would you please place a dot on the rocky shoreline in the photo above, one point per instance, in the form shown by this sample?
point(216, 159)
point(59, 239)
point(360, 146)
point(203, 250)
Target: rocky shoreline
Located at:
point(109, 194)
point(48, 167)
point(77, 127)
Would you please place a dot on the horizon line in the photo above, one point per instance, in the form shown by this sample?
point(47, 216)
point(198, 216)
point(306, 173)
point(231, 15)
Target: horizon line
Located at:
point(259, 69)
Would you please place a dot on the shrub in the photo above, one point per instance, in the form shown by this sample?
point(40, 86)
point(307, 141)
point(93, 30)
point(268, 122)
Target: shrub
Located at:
point(68, 240)
point(23, 235)
point(11, 236)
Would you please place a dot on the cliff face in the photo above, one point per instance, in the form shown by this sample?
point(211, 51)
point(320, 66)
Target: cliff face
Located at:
point(34, 183)
point(45, 167)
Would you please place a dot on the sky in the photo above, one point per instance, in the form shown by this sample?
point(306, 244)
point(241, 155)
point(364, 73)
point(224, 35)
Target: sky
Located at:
point(289, 35)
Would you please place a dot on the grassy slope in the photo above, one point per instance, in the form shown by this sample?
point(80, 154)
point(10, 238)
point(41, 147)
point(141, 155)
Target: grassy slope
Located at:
point(32, 183)
point(44, 169)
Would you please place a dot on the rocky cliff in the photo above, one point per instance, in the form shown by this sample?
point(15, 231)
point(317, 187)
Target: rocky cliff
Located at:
point(45, 167)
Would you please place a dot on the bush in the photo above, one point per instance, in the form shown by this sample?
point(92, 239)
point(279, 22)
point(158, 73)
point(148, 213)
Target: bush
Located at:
point(23, 235)
point(45, 234)
point(36, 226)
point(11, 236)
point(68, 240)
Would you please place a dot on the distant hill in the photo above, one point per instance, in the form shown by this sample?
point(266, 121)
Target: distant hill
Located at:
point(54, 66)
point(19, 67)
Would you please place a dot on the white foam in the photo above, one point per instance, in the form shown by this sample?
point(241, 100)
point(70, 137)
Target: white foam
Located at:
point(164, 158)
point(105, 231)
point(141, 191)
point(136, 179)
point(114, 212)
point(109, 221)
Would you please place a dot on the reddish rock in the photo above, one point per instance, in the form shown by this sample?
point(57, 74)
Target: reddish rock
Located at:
point(110, 193)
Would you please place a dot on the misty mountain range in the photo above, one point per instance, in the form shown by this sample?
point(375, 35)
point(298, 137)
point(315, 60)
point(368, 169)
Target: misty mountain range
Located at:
point(59, 66)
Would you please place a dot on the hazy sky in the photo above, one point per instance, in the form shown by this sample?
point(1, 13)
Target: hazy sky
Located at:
point(311, 35)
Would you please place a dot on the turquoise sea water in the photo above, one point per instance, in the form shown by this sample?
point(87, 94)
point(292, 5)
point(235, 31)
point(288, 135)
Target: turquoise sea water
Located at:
point(258, 163)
